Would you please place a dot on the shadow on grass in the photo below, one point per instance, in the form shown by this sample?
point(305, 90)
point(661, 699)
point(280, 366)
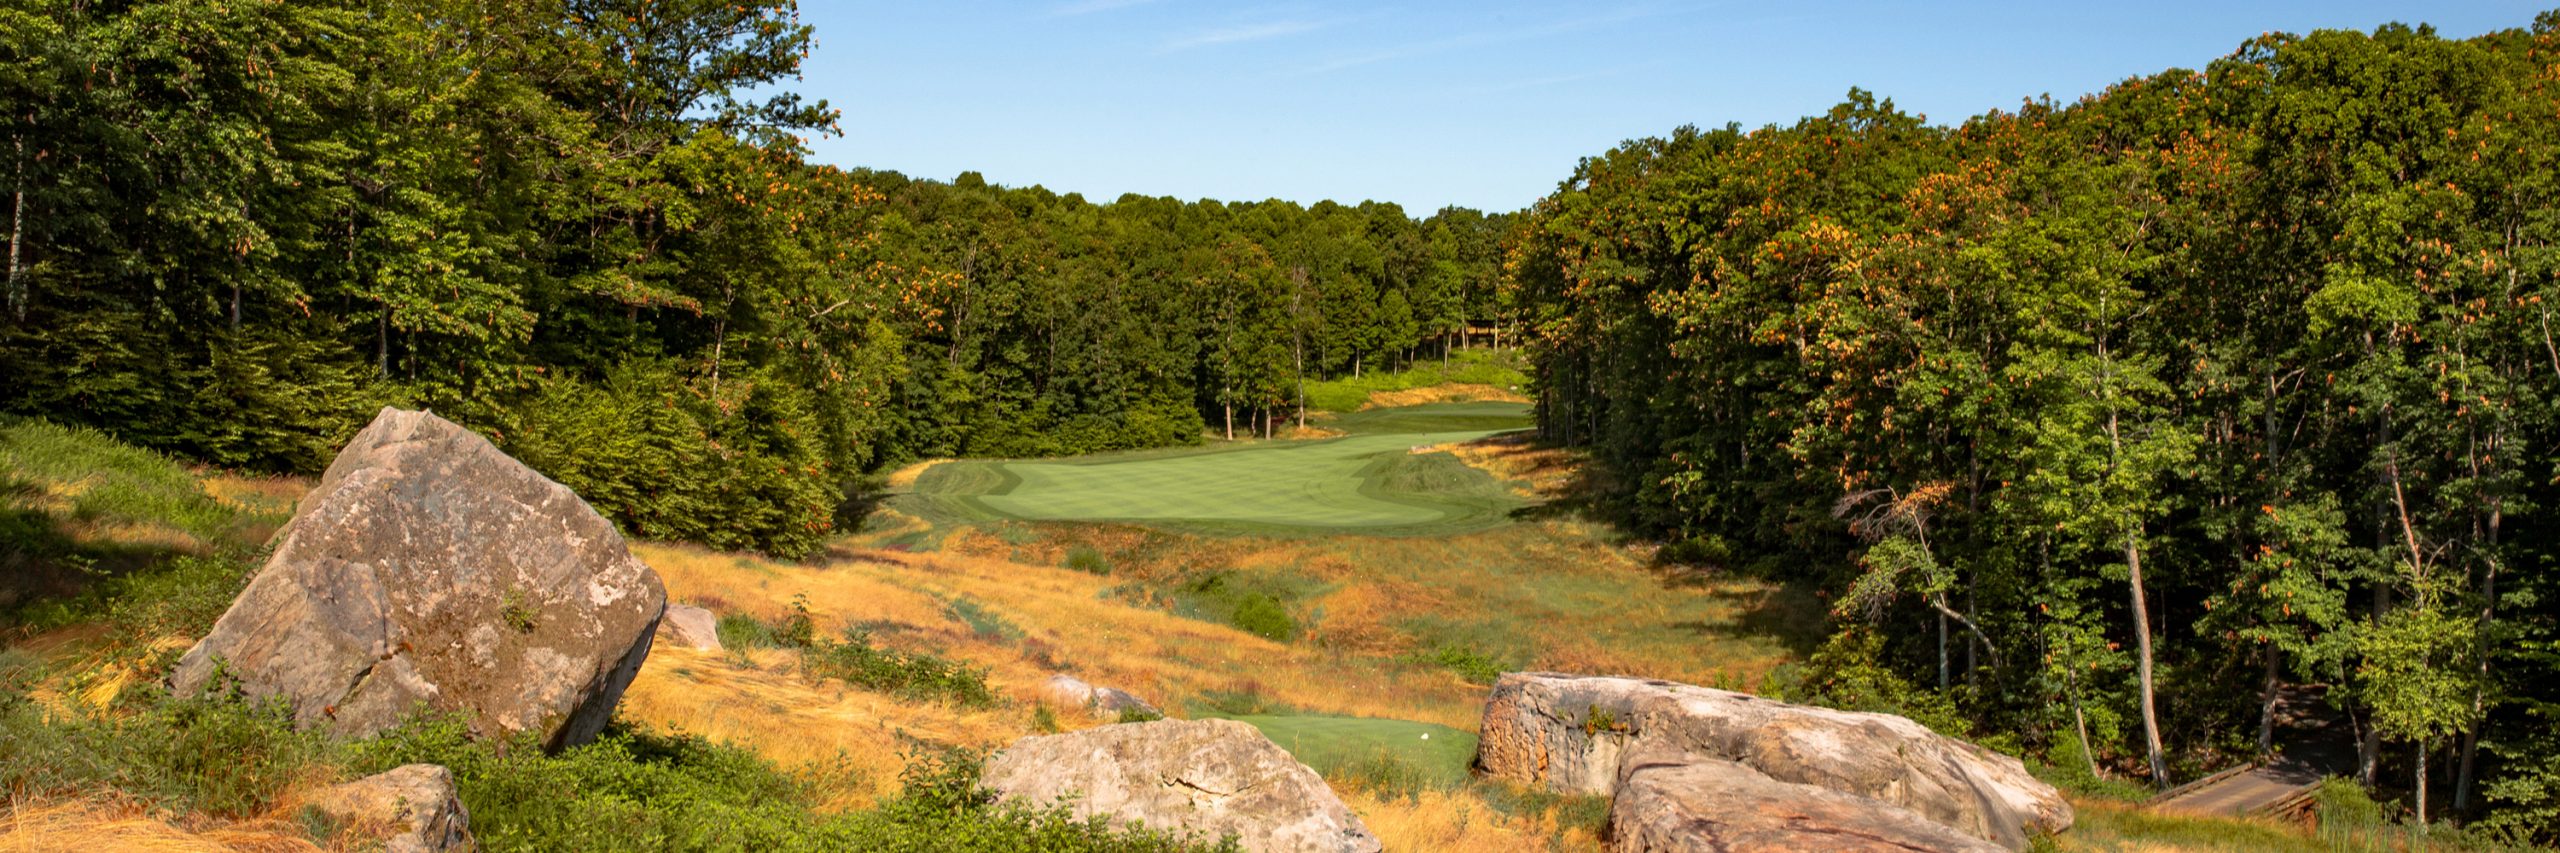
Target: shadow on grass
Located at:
point(43, 562)
point(1789, 614)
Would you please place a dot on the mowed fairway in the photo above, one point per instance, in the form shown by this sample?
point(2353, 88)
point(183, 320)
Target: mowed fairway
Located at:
point(1367, 480)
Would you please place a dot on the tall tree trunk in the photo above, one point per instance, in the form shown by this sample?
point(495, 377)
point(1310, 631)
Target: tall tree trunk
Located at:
point(18, 231)
point(382, 343)
point(1231, 420)
point(2421, 777)
point(2267, 699)
point(2142, 660)
point(1944, 676)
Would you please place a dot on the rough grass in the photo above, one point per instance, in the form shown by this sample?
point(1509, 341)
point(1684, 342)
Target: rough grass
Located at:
point(1369, 480)
point(1392, 756)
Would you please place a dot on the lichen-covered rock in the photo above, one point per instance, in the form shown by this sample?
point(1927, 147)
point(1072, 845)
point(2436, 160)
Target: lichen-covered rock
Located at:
point(1702, 805)
point(1104, 703)
point(409, 809)
point(691, 627)
point(429, 570)
point(1575, 733)
point(1210, 777)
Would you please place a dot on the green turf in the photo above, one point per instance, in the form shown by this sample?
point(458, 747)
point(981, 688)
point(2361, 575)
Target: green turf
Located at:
point(1367, 480)
point(1437, 754)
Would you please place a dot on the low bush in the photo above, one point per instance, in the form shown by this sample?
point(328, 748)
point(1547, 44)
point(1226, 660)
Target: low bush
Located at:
point(1088, 559)
point(1261, 615)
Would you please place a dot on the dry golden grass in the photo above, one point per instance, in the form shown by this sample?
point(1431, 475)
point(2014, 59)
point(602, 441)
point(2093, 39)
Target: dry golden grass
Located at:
point(1537, 470)
point(1457, 820)
point(48, 826)
point(1454, 392)
point(906, 477)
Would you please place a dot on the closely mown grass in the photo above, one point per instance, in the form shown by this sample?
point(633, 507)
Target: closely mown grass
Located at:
point(1372, 479)
point(1500, 369)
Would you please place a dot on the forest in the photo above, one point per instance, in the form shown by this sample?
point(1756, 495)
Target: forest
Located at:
point(238, 229)
point(2108, 422)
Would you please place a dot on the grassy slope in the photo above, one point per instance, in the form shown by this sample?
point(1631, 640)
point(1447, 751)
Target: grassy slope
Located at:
point(1353, 694)
point(1367, 480)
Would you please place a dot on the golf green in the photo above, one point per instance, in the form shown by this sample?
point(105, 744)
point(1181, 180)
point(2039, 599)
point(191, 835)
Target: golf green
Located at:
point(1368, 480)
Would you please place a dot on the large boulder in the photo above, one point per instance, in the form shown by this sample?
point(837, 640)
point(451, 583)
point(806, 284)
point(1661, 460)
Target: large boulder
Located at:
point(407, 809)
point(1691, 805)
point(1576, 733)
point(429, 570)
point(1211, 777)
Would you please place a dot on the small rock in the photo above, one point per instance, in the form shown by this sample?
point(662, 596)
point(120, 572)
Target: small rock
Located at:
point(1103, 703)
point(410, 809)
point(691, 627)
point(1211, 777)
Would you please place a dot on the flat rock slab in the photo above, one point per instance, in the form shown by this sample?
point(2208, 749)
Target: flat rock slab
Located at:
point(1574, 733)
point(1711, 806)
point(408, 809)
point(428, 570)
point(1210, 777)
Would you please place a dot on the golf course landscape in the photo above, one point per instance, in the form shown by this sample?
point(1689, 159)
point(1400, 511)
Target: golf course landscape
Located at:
point(1388, 472)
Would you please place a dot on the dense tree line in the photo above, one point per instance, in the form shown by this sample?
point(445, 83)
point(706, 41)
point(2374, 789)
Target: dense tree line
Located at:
point(2110, 420)
point(588, 228)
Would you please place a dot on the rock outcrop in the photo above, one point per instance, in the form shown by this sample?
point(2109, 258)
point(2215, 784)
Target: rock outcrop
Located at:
point(1576, 733)
point(691, 627)
point(1210, 777)
point(429, 570)
point(1694, 805)
point(407, 809)
point(1104, 703)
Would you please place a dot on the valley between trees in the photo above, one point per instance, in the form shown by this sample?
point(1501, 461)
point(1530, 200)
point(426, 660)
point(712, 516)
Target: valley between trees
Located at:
point(2107, 431)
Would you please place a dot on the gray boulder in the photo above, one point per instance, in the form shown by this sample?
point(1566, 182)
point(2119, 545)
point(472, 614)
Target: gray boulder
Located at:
point(429, 570)
point(408, 809)
point(1210, 777)
point(691, 627)
point(1574, 733)
point(1709, 806)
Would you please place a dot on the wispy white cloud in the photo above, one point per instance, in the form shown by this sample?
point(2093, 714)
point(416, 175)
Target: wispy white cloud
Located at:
point(1089, 7)
point(1245, 33)
point(1556, 80)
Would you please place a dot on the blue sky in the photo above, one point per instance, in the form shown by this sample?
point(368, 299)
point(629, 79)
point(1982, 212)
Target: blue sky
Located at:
point(1483, 104)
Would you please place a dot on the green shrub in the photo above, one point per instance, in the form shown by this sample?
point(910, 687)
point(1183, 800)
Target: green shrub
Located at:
point(1261, 615)
point(1473, 666)
point(921, 675)
point(1847, 673)
point(1088, 559)
point(651, 449)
